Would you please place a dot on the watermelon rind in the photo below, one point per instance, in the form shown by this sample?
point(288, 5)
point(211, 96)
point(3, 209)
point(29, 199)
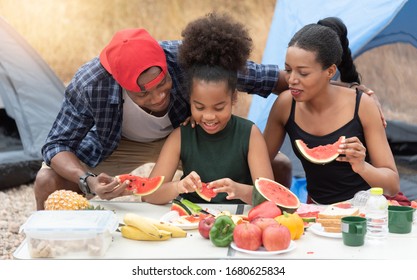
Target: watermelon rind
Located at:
point(258, 197)
point(309, 219)
point(194, 208)
point(308, 153)
point(180, 208)
point(202, 193)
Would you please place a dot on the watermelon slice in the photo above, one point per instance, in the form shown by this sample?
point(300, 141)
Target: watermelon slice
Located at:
point(321, 154)
point(185, 207)
point(266, 189)
point(180, 208)
point(140, 185)
point(343, 204)
point(206, 193)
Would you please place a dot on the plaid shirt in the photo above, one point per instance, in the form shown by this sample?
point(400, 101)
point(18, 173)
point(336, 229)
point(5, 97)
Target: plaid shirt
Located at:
point(89, 123)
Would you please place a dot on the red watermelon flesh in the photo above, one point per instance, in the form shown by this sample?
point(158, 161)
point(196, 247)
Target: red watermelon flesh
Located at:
point(140, 185)
point(266, 189)
point(206, 193)
point(344, 205)
point(180, 208)
point(321, 154)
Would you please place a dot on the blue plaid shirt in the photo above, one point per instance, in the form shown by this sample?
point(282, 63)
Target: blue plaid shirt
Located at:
point(89, 123)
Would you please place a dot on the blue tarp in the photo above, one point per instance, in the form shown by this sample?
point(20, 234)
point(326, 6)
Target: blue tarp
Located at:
point(370, 24)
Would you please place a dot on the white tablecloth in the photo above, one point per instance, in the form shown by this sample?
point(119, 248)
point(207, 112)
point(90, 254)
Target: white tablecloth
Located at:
point(309, 246)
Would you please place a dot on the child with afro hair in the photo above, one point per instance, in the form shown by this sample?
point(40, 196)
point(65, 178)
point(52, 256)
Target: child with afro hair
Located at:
point(225, 151)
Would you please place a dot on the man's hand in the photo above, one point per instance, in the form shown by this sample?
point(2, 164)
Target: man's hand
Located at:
point(371, 93)
point(191, 120)
point(107, 187)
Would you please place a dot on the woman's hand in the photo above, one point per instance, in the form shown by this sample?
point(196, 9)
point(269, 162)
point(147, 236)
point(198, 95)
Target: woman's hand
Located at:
point(354, 152)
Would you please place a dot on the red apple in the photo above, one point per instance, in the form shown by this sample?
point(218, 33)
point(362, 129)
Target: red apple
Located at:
point(276, 238)
point(247, 236)
point(205, 225)
point(262, 223)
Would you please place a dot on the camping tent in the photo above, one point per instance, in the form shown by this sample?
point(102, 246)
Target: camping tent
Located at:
point(30, 97)
point(371, 23)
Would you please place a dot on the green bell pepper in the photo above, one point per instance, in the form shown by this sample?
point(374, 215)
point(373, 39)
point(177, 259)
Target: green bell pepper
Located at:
point(221, 233)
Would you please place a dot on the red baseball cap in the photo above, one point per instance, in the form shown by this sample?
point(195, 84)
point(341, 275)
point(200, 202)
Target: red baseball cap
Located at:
point(129, 53)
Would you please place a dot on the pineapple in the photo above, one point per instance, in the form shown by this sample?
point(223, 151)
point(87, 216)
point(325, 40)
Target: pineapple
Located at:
point(66, 200)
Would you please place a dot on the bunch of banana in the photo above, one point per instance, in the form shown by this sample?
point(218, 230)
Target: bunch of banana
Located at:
point(140, 228)
point(175, 231)
point(134, 233)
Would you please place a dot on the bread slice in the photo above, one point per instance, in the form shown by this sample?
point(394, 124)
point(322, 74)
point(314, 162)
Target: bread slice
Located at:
point(330, 218)
point(333, 229)
point(329, 222)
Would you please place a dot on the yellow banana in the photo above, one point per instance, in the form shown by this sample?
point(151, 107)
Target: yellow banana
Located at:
point(176, 231)
point(134, 233)
point(141, 223)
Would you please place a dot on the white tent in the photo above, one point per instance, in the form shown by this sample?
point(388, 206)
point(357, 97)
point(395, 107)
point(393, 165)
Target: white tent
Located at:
point(370, 24)
point(30, 97)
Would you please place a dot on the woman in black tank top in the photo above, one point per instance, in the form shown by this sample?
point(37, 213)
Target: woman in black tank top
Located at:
point(318, 112)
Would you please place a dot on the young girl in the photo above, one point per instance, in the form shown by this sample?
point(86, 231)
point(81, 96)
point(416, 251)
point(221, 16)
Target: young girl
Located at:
point(319, 113)
point(224, 150)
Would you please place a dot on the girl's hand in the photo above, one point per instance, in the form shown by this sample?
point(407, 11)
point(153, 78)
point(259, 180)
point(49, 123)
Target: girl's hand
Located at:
point(354, 152)
point(189, 183)
point(225, 185)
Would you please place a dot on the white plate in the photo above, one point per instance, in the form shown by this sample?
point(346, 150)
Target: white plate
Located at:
point(172, 216)
point(262, 251)
point(316, 228)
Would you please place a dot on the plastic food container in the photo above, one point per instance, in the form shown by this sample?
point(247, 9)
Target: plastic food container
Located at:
point(76, 234)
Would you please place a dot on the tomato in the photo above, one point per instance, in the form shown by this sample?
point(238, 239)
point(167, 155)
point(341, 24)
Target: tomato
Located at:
point(276, 237)
point(266, 209)
point(247, 236)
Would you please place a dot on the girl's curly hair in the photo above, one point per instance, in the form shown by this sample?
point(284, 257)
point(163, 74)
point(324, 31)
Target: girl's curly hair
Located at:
point(214, 48)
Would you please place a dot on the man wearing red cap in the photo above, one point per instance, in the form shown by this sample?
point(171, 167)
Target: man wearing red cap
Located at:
point(118, 110)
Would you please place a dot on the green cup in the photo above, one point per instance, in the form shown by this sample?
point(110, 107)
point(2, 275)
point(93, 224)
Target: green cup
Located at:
point(353, 230)
point(400, 219)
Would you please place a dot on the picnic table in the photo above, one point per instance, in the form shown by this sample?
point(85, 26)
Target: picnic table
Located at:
point(312, 245)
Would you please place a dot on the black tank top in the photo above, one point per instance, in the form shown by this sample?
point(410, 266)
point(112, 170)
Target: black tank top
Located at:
point(334, 181)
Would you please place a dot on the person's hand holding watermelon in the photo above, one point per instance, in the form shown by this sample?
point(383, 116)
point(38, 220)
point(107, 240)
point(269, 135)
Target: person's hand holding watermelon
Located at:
point(233, 189)
point(353, 151)
point(190, 183)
